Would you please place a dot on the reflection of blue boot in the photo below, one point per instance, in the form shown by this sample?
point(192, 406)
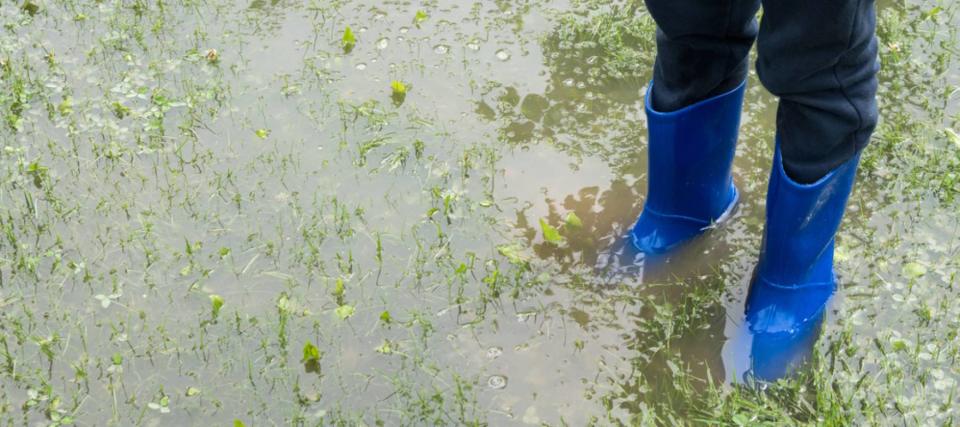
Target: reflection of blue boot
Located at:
point(795, 276)
point(774, 355)
point(689, 186)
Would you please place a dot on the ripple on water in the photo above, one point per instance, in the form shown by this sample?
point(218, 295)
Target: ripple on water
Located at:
point(497, 382)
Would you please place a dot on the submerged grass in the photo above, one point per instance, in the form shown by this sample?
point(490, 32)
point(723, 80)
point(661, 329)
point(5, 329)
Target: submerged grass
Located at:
point(215, 214)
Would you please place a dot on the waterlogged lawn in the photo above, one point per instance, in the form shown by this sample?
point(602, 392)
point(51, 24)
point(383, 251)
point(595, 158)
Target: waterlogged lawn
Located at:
point(405, 213)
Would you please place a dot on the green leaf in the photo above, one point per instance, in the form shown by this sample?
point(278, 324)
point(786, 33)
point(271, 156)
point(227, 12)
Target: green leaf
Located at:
point(419, 18)
point(338, 290)
point(238, 423)
point(573, 221)
point(385, 317)
point(117, 359)
point(513, 252)
point(192, 391)
point(931, 13)
point(344, 311)
point(399, 92)
point(283, 303)
point(914, 270)
point(66, 106)
point(348, 41)
point(311, 354)
point(216, 303)
point(30, 7)
point(952, 136)
point(120, 110)
point(385, 348)
point(398, 87)
point(550, 233)
point(262, 133)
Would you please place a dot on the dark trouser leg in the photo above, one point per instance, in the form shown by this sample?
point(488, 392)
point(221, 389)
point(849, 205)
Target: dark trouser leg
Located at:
point(702, 48)
point(820, 58)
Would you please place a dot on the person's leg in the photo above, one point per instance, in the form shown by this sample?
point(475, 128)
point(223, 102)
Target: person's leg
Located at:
point(820, 58)
point(693, 117)
point(703, 48)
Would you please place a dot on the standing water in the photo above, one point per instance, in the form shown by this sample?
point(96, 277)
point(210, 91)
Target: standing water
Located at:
point(400, 213)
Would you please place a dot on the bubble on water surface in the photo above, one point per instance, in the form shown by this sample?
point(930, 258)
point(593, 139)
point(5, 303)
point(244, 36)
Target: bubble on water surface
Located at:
point(441, 49)
point(503, 55)
point(383, 43)
point(569, 82)
point(361, 66)
point(494, 352)
point(403, 30)
point(497, 382)
point(473, 45)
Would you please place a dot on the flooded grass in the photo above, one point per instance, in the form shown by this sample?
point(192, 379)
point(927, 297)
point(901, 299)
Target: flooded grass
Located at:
point(349, 213)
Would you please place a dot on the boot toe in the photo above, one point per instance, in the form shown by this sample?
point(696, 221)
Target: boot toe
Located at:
point(776, 355)
point(785, 323)
point(775, 309)
point(657, 233)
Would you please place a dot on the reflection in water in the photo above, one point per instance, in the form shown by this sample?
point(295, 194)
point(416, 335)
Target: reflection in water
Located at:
point(776, 355)
point(685, 328)
point(758, 355)
point(284, 167)
point(602, 240)
point(604, 217)
point(691, 299)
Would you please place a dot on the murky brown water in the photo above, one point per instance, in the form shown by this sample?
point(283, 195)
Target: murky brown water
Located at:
point(282, 167)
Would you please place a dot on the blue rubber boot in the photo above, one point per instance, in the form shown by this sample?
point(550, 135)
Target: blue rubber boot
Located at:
point(795, 279)
point(689, 186)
